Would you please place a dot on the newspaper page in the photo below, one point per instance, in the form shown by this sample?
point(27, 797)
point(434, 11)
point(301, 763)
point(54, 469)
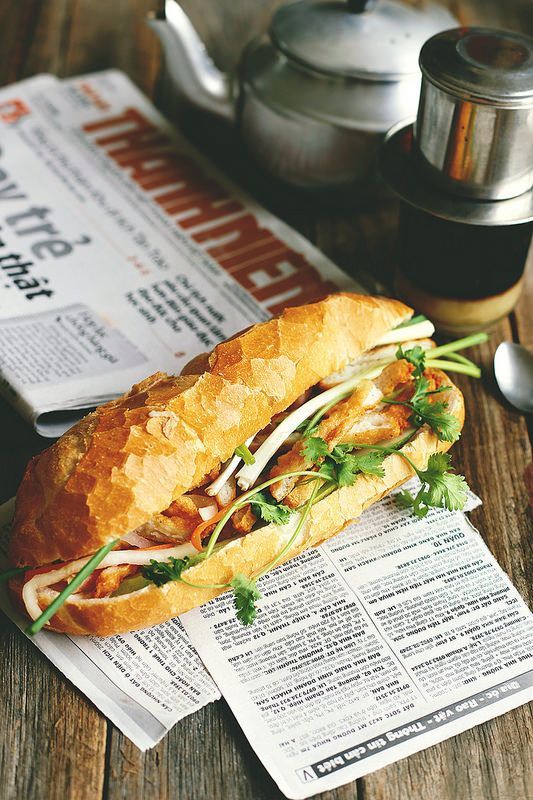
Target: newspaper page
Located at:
point(394, 635)
point(144, 682)
point(123, 251)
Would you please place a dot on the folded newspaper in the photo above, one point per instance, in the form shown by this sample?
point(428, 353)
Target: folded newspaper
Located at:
point(122, 251)
point(394, 635)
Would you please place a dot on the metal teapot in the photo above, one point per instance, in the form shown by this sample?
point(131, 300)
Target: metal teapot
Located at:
point(314, 98)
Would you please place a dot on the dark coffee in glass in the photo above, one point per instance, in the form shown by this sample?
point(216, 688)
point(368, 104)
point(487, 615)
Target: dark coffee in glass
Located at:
point(463, 277)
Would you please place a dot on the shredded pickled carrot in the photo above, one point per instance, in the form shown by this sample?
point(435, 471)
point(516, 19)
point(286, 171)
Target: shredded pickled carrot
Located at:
point(196, 538)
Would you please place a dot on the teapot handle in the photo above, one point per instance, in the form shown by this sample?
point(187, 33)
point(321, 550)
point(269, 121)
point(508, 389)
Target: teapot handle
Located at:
point(358, 6)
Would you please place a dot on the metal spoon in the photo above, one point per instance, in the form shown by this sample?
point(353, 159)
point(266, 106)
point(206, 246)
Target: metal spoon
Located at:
point(513, 369)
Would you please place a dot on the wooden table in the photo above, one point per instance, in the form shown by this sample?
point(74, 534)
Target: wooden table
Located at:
point(54, 743)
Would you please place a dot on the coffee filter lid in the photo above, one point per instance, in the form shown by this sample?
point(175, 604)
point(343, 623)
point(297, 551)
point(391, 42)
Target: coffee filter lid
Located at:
point(482, 64)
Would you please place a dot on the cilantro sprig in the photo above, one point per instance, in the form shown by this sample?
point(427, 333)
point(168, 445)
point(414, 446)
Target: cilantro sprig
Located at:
point(445, 425)
point(440, 488)
point(244, 589)
point(269, 510)
point(245, 596)
point(425, 411)
point(161, 572)
point(339, 468)
point(314, 449)
point(415, 356)
point(343, 466)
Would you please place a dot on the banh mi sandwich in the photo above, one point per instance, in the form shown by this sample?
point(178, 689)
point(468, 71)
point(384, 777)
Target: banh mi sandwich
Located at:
point(191, 485)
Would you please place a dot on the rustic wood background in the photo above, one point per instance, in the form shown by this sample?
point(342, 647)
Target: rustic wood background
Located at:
point(54, 744)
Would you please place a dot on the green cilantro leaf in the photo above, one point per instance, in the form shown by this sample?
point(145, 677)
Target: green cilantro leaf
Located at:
point(314, 449)
point(440, 488)
point(347, 471)
point(340, 451)
point(445, 489)
point(370, 462)
point(160, 572)
point(269, 510)
point(405, 499)
point(328, 469)
point(441, 422)
point(415, 356)
point(421, 390)
point(343, 466)
point(245, 595)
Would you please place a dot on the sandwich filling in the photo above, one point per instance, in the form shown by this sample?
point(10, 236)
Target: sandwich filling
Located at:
point(343, 427)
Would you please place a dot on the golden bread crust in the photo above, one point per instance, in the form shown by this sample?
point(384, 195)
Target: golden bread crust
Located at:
point(131, 457)
point(152, 605)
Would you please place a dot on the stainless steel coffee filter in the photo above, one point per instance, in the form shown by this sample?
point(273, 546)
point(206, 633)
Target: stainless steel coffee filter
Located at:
point(474, 130)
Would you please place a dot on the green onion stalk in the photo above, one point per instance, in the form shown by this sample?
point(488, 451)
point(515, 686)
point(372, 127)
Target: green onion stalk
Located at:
point(12, 573)
point(84, 573)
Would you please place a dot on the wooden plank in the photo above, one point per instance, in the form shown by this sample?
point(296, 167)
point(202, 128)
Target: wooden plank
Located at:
point(45, 37)
point(114, 35)
point(16, 25)
point(53, 741)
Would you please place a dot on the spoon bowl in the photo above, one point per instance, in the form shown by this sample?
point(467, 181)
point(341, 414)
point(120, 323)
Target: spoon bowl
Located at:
point(513, 370)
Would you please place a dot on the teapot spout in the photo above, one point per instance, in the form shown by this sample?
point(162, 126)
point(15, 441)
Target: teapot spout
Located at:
point(190, 67)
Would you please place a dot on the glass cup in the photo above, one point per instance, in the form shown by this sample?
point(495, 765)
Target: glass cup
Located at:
point(463, 277)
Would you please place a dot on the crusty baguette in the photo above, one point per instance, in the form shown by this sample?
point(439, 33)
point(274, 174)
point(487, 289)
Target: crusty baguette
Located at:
point(131, 457)
point(152, 605)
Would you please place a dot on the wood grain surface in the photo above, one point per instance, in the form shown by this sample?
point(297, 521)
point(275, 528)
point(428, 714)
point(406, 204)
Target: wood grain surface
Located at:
point(53, 742)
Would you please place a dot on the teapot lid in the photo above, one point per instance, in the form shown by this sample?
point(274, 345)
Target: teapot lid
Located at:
point(372, 39)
